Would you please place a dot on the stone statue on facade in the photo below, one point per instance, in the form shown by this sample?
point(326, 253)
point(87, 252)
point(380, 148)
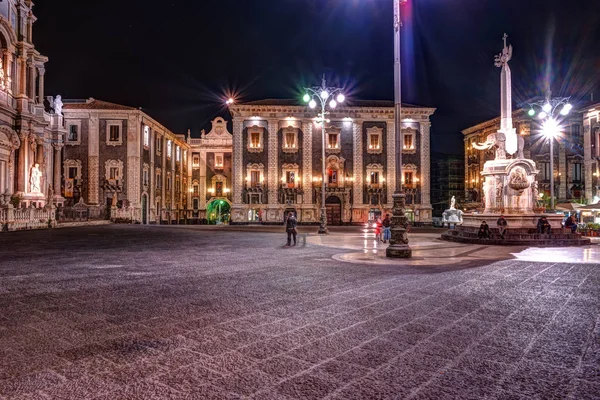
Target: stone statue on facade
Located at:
point(35, 179)
point(58, 105)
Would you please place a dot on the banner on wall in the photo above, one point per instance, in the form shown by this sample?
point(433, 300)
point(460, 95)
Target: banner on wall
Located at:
point(69, 184)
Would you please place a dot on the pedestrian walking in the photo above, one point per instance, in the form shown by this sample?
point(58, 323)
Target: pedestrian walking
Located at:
point(378, 228)
point(290, 228)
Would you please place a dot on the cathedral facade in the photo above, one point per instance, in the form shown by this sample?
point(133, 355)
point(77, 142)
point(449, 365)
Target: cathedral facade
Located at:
point(29, 135)
point(277, 162)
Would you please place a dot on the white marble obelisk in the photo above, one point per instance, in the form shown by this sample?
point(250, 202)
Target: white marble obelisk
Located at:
point(506, 126)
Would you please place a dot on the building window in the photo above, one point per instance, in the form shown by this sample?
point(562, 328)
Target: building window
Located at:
point(577, 172)
point(408, 178)
point(374, 140)
point(169, 148)
point(146, 136)
point(168, 181)
point(158, 144)
point(254, 178)
point(177, 153)
point(332, 141)
point(409, 140)
point(114, 133)
point(219, 160)
point(158, 180)
point(195, 202)
point(374, 177)
point(196, 161)
point(196, 191)
point(332, 176)
point(290, 175)
point(255, 174)
point(72, 174)
point(146, 177)
point(177, 186)
point(255, 139)
point(73, 133)
point(114, 171)
point(545, 169)
point(290, 140)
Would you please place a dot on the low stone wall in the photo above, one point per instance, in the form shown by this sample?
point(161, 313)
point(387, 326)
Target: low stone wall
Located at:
point(14, 219)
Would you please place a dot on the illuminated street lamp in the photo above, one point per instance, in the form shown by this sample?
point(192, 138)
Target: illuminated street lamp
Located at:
point(327, 96)
point(398, 247)
point(550, 127)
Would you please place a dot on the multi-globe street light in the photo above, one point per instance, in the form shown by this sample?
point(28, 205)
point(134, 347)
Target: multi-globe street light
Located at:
point(551, 110)
point(398, 247)
point(326, 96)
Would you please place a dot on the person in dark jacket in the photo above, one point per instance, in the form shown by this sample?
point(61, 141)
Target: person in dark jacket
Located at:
point(502, 224)
point(387, 228)
point(484, 231)
point(571, 223)
point(543, 226)
point(290, 228)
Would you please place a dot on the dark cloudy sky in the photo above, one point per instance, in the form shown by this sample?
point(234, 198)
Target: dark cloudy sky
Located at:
point(178, 59)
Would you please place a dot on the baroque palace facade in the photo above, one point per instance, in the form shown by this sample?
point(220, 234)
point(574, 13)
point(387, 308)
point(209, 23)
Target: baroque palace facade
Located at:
point(572, 165)
point(277, 147)
point(29, 135)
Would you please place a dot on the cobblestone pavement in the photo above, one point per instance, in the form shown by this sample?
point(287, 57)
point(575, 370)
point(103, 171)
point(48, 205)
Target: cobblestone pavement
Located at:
point(131, 312)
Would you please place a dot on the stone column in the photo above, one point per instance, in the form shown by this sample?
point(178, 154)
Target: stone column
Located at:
point(357, 173)
point(22, 164)
point(237, 167)
point(562, 178)
point(57, 168)
point(202, 181)
point(391, 162)
point(425, 178)
point(23, 75)
point(31, 88)
point(307, 129)
point(587, 160)
point(42, 72)
point(93, 184)
point(273, 168)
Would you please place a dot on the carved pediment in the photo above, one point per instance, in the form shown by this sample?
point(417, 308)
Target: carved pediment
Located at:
point(218, 130)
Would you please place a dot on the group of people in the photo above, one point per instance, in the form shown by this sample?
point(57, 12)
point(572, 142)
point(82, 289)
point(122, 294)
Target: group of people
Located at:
point(484, 228)
point(543, 226)
point(383, 226)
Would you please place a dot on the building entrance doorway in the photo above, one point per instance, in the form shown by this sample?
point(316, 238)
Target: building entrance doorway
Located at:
point(333, 206)
point(144, 209)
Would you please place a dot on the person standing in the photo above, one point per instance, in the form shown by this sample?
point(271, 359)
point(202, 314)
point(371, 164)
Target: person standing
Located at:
point(502, 224)
point(387, 228)
point(290, 228)
point(378, 229)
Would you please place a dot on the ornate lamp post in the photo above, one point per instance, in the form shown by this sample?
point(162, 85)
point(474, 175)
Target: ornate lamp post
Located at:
point(549, 115)
point(326, 96)
point(398, 247)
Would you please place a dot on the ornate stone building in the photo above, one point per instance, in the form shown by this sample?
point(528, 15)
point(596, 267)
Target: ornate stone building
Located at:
point(571, 180)
point(27, 132)
point(591, 151)
point(277, 147)
point(118, 156)
point(211, 166)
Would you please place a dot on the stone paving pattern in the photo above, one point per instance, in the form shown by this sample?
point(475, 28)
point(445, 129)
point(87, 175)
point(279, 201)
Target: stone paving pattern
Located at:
point(130, 312)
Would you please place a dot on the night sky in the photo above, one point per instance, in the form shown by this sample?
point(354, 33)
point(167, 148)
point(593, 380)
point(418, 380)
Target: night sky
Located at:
point(178, 59)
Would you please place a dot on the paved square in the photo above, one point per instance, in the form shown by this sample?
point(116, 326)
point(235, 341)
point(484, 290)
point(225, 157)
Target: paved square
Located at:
point(132, 312)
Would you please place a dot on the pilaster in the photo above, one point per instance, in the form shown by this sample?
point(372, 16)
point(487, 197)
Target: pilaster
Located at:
point(94, 161)
point(307, 129)
point(202, 181)
point(357, 185)
point(273, 127)
point(391, 162)
point(57, 168)
point(587, 160)
point(562, 172)
point(237, 168)
point(425, 179)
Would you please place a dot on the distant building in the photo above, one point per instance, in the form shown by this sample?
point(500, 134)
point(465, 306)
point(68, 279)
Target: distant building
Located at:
point(119, 156)
point(277, 162)
point(447, 180)
point(591, 145)
point(571, 181)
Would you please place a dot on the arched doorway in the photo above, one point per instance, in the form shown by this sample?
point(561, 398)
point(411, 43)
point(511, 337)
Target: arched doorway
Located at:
point(144, 209)
point(218, 211)
point(333, 204)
